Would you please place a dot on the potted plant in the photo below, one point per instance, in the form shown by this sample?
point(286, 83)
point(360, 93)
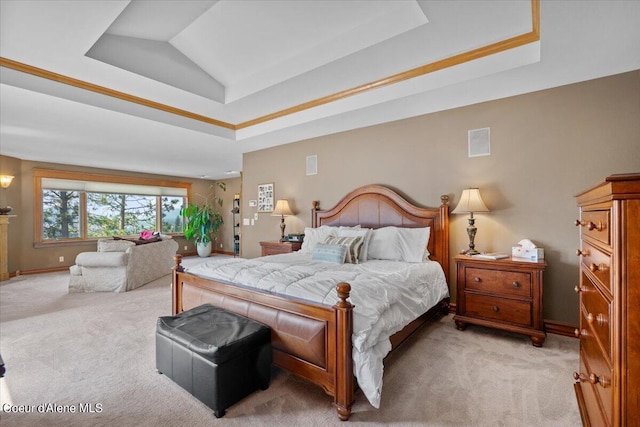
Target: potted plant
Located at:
point(202, 221)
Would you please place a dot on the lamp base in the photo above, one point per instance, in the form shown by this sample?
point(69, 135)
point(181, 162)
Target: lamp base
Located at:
point(470, 252)
point(282, 227)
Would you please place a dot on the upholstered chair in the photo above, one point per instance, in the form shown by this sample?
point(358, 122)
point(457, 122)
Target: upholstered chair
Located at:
point(121, 265)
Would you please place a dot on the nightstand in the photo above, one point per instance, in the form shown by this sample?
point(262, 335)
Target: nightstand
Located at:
point(504, 294)
point(273, 248)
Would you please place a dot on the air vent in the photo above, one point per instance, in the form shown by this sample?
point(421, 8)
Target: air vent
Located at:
point(480, 142)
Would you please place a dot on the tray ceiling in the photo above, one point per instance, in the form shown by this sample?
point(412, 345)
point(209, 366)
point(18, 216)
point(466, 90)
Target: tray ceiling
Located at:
point(227, 77)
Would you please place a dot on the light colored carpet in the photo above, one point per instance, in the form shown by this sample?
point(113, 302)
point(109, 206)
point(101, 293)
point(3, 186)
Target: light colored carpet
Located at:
point(99, 350)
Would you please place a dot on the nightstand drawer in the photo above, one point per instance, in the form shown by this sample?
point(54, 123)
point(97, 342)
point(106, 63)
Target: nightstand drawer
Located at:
point(275, 248)
point(499, 282)
point(501, 309)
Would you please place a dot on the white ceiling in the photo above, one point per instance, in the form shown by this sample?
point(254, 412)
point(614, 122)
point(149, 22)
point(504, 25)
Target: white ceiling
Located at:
point(224, 64)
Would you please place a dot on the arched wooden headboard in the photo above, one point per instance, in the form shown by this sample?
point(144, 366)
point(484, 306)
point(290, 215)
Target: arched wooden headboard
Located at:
point(377, 206)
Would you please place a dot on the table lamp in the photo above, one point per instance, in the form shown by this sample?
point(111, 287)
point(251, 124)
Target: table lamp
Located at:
point(282, 209)
point(470, 202)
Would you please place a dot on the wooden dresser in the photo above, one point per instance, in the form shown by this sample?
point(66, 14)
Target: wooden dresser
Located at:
point(608, 380)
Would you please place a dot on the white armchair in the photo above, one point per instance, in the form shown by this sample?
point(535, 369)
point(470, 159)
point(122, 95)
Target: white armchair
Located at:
point(121, 265)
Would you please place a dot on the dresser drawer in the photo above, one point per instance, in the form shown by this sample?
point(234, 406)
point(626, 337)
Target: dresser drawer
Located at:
point(599, 263)
point(595, 224)
point(502, 309)
point(590, 396)
point(596, 312)
point(499, 282)
point(597, 370)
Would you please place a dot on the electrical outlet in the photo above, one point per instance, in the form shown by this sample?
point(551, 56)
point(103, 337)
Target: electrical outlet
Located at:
point(185, 247)
point(221, 246)
point(61, 259)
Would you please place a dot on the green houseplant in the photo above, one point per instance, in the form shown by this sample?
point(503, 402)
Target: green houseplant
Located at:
point(202, 221)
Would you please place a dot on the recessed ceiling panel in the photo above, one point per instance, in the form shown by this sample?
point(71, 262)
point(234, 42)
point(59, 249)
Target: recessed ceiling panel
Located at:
point(157, 20)
point(250, 45)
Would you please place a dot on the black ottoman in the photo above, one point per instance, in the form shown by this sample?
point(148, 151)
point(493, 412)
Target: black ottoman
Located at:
point(217, 356)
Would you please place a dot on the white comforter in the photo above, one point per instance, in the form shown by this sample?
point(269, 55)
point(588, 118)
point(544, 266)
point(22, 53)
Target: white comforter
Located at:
point(387, 296)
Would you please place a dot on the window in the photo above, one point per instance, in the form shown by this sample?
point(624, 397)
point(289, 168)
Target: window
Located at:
point(72, 206)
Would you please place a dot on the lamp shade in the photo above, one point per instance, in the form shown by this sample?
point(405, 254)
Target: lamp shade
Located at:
point(470, 201)
point(5, 180)
point(282, 208)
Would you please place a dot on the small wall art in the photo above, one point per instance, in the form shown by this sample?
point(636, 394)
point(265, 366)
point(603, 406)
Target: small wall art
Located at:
point(265, 197)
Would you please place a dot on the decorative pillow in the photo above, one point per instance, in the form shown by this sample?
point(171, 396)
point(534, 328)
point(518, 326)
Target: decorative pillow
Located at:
point(329, 253)
point(365, 233)
point(352, 243)
point(399, 244)
point(147, 234)
point(313, 236)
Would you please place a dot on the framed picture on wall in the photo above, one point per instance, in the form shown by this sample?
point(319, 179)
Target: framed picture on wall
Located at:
point(265, 197)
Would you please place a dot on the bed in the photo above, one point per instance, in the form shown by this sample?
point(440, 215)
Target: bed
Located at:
point(312, 339)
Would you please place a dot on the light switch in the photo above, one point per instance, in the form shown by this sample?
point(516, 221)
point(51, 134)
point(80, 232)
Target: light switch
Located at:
point(246, 221)
point(255, 216)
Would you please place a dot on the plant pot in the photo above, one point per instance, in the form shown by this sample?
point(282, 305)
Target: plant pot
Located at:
point(204, 249)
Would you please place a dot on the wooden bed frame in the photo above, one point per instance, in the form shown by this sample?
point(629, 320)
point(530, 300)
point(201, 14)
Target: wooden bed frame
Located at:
point(313, 340)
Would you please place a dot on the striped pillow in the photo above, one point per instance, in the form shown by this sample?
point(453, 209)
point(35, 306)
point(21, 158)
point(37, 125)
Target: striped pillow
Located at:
point(329, 253)
point(352, 243)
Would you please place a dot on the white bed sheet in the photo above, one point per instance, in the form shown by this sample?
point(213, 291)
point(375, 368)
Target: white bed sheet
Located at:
point(387, 296)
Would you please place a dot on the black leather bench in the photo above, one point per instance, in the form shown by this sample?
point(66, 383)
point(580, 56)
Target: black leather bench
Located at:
point(217, 356)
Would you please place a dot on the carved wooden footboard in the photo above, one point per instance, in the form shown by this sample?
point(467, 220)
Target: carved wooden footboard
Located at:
point(312, 340)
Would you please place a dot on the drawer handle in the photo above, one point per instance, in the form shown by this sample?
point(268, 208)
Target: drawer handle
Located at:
point(591, 226)
point(600, 319)
point(495, 308)
point(579, 377)
point(579, 223)
point(583, 252)
point(594, 379)
point(516, 284)
point(477, 279)
point(580, 333)
point(577, 289)
point(595, 267)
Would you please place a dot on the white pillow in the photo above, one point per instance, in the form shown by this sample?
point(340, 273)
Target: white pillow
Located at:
point(413, 243)
point(382, 244)
point(399, 244)
point(313, 236)
point(365, 233)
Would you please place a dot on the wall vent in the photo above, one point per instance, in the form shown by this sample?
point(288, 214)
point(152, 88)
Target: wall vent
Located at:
point(312, 165)
point(480, 142)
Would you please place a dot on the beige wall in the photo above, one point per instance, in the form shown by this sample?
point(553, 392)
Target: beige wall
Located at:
point(545, 147)
point(23, 256)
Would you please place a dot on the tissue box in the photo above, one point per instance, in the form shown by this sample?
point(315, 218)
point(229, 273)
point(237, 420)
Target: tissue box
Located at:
point(534, 254)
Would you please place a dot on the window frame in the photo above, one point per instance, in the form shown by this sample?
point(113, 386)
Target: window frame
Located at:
point(39, 174)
